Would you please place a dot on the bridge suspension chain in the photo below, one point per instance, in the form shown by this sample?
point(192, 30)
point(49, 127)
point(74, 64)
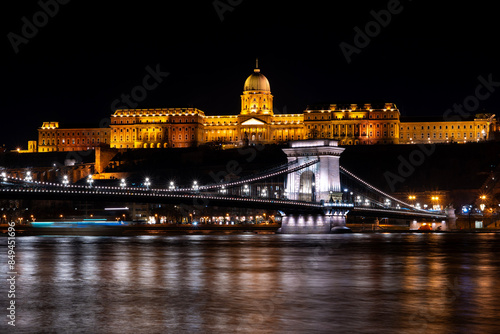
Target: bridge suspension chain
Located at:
point(346, 172)
point(253, 178)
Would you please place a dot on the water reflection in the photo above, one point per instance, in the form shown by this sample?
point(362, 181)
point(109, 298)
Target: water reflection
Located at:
point(366, 283)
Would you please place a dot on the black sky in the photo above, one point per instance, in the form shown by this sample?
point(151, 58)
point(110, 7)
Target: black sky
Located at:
point(89, 53)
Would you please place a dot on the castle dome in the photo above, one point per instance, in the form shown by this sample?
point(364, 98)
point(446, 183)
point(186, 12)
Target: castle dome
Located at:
point(257, 81)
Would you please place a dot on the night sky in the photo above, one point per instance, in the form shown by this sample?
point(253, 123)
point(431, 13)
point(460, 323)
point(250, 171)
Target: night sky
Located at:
point(88, 54)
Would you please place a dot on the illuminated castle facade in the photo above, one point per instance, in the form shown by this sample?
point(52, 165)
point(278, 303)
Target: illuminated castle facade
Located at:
point(350, 124)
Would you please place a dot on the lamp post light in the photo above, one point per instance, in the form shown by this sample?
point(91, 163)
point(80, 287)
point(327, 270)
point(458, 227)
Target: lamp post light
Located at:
point(195, 185)
point(123, 183)
point(435, 199)
point(4, 176)
point(482, 205)
point(171, 186)
point(65, 180)
point(90, 180)
point(412, 199)
point(147, 183)
point(28, 177)
point(246, 190)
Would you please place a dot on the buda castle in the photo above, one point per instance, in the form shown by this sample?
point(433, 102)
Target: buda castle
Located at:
point(350, 124)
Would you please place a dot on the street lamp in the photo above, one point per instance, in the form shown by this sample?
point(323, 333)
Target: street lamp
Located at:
point(65, 180)
point(482, 205)
point(90, 180)
point(147, 183)
point(123, 184)
point(171, 186)
point(436, 206)
point(246, 189)
point(28, 177)
point(4, 176)
point(195, 185)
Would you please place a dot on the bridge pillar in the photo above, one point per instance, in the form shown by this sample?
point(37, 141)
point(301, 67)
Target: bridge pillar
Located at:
point(451, 219)
point(319, 182)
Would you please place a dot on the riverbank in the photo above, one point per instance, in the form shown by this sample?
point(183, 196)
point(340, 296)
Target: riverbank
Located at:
point(118, 230)
point(186, 229)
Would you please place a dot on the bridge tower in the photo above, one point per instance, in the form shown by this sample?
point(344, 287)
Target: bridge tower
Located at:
point(319, 182)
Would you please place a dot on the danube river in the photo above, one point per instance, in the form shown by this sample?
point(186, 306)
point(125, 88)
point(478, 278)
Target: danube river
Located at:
point(357, 283)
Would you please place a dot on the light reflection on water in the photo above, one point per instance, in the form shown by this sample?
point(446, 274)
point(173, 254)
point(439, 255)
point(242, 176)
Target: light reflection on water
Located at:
point(363, 283)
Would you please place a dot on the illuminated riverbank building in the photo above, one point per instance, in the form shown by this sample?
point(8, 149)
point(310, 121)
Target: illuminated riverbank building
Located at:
point(256, 123)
